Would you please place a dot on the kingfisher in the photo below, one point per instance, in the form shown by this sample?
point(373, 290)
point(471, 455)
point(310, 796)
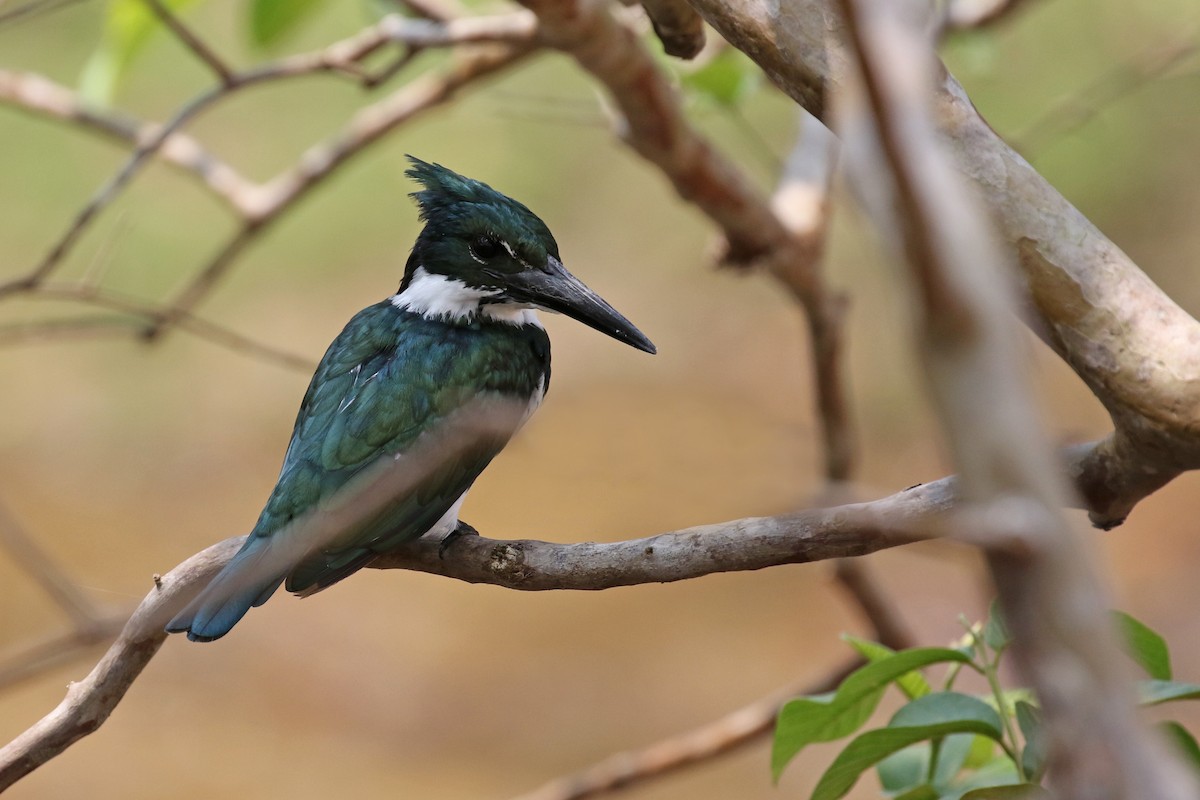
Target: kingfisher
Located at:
point(411, 401)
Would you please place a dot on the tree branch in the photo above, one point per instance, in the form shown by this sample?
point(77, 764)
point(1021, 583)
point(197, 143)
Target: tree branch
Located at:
point(339, 58)
point(1052, 600)
point(35, 94)
point(654, 125)
point(523, 564)
point(367, 126)
point(527, 565)
point(89, 702)
point(1131, 344)
point(727, 734)
point(192, 42)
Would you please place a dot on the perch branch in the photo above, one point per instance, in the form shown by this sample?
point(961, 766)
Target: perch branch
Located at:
point(528, 565)
point(748, 544)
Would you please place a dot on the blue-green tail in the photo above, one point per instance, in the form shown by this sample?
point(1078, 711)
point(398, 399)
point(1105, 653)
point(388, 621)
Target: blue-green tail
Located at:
point(237, 588)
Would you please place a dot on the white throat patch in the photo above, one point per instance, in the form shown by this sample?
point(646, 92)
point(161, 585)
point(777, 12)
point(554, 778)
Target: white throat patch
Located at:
point(439, 297)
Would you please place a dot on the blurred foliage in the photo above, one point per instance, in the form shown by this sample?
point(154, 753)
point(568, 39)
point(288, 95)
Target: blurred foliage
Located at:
point(124, 459)
point(128, 25)
point(945, 745)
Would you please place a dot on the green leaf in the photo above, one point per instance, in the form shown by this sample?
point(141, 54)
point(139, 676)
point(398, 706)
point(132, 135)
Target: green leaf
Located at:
point(952, 755)
point(1183, 741)
point(726, 80)
point(995, 631)
point(922, 792)
point(128, 25)
point(1000, 771)
point(932, 716)
point(1147, 647)
point(1018, 791)
point(271, 19)
point(913, 684)
point(904, 769)
point(1033, 757)
point(822, 719)
point(1151, 693)
point(942, 707)
point(982, 752)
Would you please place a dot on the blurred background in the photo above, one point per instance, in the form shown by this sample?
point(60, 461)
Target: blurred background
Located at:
point(123, 459)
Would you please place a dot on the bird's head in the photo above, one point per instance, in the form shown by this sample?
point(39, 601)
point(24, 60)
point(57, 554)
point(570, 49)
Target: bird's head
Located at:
point(490, 250)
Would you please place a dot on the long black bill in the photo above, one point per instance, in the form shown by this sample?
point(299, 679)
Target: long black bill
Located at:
point(555, 289)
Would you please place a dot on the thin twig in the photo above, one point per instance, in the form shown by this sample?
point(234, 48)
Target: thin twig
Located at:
point(368, 126)
point(136, 316)
point(1082, 106)
point(338, 57)
point(728, 734)
point(22, 547)
point(36, 94)
point(55, 651)
point(192, 42)
point(801, 202)
point(652, 122)
point(881, 611)
point(34, 8)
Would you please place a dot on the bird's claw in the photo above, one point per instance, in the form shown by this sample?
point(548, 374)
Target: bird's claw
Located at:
point(462, 529)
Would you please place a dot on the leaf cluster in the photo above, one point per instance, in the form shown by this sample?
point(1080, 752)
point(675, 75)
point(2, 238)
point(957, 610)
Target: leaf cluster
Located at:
point(944, 744)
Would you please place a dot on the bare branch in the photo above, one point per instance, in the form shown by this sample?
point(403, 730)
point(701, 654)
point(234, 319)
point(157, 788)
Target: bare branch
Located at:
point(1052, 599)
point(528, 565)
point(367, 127)
point(57, 650)
point(801, 203)
point(1129, 342)
point(192, 42)
point(881, 612)
point(728, 734)
point(338, 58)
point(37, 563)
point(1079, 108)
point(34, 93)
point(524, 564)
point(653, 124)
point(89, 701)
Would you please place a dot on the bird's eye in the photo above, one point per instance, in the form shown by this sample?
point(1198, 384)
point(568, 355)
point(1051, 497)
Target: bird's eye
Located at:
point(485, 247)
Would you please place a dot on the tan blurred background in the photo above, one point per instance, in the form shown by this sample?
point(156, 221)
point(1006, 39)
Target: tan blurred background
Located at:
point(125, 459)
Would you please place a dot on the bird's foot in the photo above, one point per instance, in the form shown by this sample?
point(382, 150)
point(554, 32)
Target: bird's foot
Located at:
point(462, 529)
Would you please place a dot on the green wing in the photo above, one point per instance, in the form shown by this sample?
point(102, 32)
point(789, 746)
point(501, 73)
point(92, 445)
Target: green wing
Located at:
point(392, 431)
